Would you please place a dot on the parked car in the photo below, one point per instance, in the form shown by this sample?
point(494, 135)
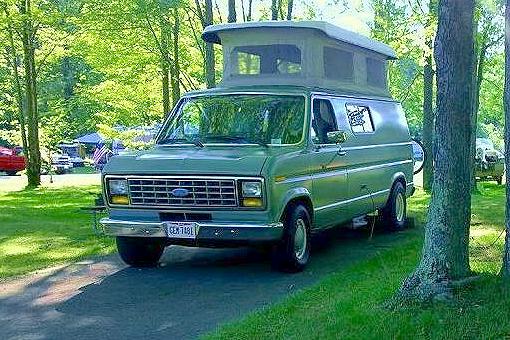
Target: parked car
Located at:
point(61, 164)
point(302, 135)
point(489, 162)
point(11, 161)
point(75, 152)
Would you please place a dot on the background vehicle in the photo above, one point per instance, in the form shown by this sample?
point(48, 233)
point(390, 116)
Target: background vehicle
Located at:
point(489, 162)
point(11, 162)
point(61, 164)
point(75, 152)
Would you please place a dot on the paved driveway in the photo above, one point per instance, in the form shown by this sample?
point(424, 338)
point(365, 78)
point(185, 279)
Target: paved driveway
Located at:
point(193, 291)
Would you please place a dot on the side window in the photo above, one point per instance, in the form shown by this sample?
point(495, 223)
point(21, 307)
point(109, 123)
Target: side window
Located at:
point(360, 118)
point(338, 64)
point(323, 121)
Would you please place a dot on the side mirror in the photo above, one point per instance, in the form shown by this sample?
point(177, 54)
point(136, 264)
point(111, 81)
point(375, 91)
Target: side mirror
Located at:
point(337, 137)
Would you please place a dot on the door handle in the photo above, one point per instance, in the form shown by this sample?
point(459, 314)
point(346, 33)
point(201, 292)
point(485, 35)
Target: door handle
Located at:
point(341, 152)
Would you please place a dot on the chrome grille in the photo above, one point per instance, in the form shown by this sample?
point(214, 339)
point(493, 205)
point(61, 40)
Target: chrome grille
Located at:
point(201, 192)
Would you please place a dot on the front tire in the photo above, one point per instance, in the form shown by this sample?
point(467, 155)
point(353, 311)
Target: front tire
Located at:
point(395, 212)
point(293, 252)
point(140, 251)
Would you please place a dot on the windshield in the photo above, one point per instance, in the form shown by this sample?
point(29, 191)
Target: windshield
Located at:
point(237, 119)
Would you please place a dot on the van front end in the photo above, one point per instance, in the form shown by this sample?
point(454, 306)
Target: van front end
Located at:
point(190, 210)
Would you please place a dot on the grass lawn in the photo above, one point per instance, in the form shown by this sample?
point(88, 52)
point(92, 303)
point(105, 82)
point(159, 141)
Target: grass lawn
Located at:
point(45, 227)
point(349, 303)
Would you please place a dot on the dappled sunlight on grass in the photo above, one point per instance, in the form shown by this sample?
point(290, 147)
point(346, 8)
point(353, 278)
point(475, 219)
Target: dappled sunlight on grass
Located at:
point(45, 227)
point(350, 303)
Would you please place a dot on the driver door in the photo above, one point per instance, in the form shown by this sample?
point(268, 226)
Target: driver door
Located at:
point(328, 166)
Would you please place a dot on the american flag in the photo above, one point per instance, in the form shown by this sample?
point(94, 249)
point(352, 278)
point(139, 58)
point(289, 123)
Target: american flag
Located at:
point(99, 154)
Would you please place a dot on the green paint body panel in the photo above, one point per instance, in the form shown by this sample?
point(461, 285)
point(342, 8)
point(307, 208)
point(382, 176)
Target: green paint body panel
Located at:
point(339, 181)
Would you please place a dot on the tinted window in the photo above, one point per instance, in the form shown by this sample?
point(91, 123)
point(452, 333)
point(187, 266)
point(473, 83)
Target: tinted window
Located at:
point(376, 72)
point(267, 59)
point(360, 118)
point(338, 64)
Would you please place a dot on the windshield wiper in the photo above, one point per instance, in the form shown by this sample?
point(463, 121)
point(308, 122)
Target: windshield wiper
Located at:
point(238, 139)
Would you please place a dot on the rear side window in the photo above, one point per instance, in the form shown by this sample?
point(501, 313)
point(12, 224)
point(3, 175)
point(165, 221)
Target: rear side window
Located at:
point(376, 73)
point(360, 118)
point(338, 64)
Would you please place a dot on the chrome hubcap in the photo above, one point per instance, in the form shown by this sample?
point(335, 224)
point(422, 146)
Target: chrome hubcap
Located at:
point(300, 239)
point(399, 207)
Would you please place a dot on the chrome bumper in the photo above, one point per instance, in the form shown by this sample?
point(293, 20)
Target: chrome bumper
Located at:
point(206, 231)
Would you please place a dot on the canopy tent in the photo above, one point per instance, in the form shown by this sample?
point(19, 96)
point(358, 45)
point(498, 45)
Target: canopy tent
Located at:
point(306, 53)
point(90, 139)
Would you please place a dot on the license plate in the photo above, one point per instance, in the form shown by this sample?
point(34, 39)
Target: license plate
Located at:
point(181, 230)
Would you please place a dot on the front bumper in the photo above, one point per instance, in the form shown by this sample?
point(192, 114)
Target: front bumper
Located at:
point(207, 231)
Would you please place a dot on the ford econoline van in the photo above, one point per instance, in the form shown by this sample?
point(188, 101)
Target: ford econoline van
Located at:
point(300, 136)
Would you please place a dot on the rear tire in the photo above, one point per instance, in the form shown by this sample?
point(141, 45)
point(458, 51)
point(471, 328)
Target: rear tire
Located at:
point(140, 251)
point(395, 212)
point(291, 255)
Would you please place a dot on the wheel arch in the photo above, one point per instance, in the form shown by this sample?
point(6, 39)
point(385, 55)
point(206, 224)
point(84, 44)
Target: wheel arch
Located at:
point(297, 196)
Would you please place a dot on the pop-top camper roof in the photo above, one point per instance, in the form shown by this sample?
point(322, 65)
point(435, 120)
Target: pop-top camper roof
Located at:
point(306, 53)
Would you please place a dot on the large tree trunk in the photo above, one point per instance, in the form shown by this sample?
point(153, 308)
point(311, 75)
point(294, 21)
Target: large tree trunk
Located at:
point(27, 38)
point(17, 86)
point(176, 67)
point(232, 17)
point(428, 110)
point(428, 120)
point(505, 271)
point(445, 250)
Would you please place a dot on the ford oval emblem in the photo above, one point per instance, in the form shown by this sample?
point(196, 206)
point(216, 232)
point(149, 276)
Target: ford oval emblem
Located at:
point(180, 192)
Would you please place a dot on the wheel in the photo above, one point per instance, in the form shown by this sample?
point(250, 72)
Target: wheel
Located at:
point(394, 213)
point(11, 173)
point(140, 251)
point(499, 180)
point(293, 251)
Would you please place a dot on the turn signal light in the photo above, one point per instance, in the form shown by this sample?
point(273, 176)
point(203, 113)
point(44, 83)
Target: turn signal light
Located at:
point(118, 199)
point(252, 202)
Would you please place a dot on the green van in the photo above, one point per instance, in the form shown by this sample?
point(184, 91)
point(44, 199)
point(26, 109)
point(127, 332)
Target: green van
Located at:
point(301, 135)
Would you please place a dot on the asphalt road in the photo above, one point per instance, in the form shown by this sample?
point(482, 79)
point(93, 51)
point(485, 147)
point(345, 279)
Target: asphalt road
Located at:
point(193, 291)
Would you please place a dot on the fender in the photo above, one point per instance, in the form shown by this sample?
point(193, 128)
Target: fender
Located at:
point(292, 194)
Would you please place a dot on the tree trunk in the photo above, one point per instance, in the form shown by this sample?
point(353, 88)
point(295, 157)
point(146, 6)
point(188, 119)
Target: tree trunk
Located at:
point(505, 270)
point(290, 5)
point(17, 87)
point(210, 76)
point(250, 9)
point(445, 249)
point(232, 17)
point(274, 9)
point(428, 120)
point(165, 67)
point(477, 83)
point(27, 38)
point(176, 67)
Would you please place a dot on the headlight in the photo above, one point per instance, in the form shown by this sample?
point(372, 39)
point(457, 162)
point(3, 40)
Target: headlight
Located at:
point(251, 189)
point(117, 187)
